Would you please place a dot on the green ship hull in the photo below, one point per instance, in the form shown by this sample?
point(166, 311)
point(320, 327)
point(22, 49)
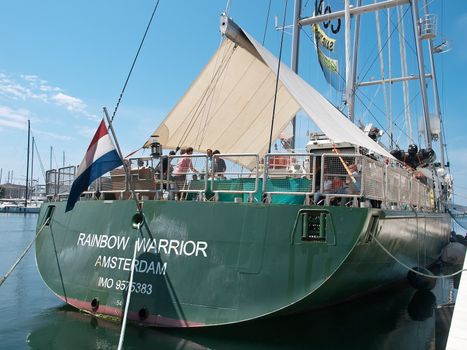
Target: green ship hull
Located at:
point(214, 263)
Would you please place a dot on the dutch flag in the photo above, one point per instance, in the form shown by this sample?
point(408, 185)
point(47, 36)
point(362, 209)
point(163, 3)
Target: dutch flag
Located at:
point(100, 158)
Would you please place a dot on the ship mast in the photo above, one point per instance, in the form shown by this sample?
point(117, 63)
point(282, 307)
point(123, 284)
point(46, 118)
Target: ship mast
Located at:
point(350, 96)
point(421, 70)
point(351, 65)
point(348, 82)
point(435, 94)
point(351, 84)
point(295, 47)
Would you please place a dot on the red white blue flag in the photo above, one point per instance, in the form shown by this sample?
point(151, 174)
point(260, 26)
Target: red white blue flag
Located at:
point(100, 158)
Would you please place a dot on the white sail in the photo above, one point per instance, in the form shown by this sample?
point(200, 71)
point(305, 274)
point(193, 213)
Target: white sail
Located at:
point(230, 105)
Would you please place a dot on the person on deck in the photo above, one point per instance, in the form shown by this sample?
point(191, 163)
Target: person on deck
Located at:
point(353, 180)
point(163, 166)
point(218, 165)
point(183, 166)
point(164, 169)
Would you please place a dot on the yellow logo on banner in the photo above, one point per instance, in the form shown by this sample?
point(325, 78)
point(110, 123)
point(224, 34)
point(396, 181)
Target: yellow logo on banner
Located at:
point(322, 38)
point(327, 62)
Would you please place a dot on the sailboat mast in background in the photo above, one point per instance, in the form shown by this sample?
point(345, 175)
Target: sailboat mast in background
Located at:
point(27, 166)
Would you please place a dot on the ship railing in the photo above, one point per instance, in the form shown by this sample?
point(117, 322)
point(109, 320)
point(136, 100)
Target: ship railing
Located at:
point(66, 176)
point(397, 186)
point(343, 178)
point(415, 193)
point(288, 174)
point(183, 178)
point(404, 188)
point(234, 173)
point(373, 178)
point(110, 186)
point(308, 178)
point(114, 184)
point(143, 178)
point(51, 183)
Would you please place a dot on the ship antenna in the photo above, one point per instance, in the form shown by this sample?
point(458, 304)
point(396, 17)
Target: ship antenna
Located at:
point(134, 62)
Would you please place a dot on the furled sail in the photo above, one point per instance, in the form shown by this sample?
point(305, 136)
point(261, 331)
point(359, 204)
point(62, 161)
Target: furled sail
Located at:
point(229, 106)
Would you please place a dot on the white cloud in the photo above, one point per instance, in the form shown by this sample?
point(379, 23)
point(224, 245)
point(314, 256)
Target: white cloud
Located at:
point(69, 102)
point(53, 135)
point(31, 78)
point(86, 132)
point(32, 87)
point(47, 88)
point(14, 118)
point(13, 90)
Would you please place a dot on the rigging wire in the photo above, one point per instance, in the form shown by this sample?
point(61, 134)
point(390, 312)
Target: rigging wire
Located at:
point(404, 71)
point(40, 160)
point(379, 109)
point(203, 126)
point(377, 56)
point(376, 106)
point(134, 62)
point(266, 24)
point(198, 108)
point(381, 63)
point(277, 77)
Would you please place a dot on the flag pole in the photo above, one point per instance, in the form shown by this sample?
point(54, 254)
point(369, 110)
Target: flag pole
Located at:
point(125, 165)
point(143, 222)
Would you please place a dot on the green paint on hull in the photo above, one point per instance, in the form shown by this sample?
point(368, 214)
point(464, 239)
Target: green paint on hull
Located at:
point(213, 263)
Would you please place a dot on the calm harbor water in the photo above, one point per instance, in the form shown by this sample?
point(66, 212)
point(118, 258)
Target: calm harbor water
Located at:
point(31, 317)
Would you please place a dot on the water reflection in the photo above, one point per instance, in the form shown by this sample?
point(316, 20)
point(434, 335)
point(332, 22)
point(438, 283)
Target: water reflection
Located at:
point(70, 329)
point(399, 318)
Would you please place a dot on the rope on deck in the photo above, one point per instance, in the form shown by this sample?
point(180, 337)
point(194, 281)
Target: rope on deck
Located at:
point(411, 269)
point(3, 279)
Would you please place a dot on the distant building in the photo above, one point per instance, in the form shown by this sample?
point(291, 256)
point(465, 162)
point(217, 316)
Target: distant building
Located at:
point(12, 191)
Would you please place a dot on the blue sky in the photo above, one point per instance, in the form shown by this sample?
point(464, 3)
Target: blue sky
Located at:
point(62, 61)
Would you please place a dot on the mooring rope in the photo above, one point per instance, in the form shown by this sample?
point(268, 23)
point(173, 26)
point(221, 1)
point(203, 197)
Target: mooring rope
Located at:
point(128, 296)
point(3, 279)
point(411, 269)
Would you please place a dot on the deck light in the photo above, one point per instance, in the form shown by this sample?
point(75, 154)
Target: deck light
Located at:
point(156, 147)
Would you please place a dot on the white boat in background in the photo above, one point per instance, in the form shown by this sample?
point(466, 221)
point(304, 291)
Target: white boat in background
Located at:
point(18, 206)
point(32, 197)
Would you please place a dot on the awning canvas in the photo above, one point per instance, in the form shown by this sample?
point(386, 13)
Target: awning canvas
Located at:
point(229, 106)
